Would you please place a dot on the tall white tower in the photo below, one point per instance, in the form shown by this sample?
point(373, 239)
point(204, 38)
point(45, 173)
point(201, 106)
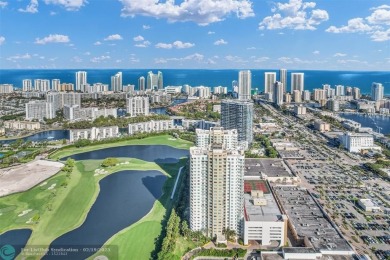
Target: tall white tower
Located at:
point(141, 83)
point(216, 183)
point(278, 93)
point(244, 85)
point(297, 81)
point(283, 78)
point(81, 79)
point(269, 81)
point(116, 82)
point(27, 85)
point(377, 91)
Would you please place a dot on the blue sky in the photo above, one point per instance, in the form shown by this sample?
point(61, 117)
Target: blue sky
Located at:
point(206, 34)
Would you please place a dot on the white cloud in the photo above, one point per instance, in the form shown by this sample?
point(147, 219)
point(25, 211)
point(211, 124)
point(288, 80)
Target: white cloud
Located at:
point(138, 38)
point(354, 25)
point(338, 54)
point(162, 45)
point(146, 27)
point(183, 45)
point(70, 5)
point(176, 44)
point(379, 16)
point(237, 59)
point(350, 61)
point(193, 57)
point(133, 59)
point(260, 59)
point(210, 32)
point(2, 40)
point(77, 59)
point(113, 37)
point(53, 38)
point(202, 12)
point(100, 58)
point(144, 44)
point(316, 52)
point(381, 36)
point(211, 61)
point(220, 42)
point(3, 4)
point(87, 53)
point(19, 57)
point(381, 7)
point(294, 15)
point(31, 8)
point(52, 13)
point(251, 48)
point(97, 43)
point(377, 24)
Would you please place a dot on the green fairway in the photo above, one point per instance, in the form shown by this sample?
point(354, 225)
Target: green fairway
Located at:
point(154, 140)
point(61, 203)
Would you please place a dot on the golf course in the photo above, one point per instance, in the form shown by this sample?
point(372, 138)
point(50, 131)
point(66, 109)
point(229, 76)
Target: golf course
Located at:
point(61, 204)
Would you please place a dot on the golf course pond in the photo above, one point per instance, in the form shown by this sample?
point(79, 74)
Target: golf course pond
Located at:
point(150, 153)
point(124, 198)
point(13, 241)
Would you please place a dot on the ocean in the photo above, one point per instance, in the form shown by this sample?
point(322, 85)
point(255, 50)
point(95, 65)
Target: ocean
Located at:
point(211, 78)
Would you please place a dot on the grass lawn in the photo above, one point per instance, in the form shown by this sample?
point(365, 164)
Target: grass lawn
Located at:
point(58, 213)
point(154, 140)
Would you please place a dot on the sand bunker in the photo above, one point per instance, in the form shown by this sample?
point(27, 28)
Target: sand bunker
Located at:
point(26, 176)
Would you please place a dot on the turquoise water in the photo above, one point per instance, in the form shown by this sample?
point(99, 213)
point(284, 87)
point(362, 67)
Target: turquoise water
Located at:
point(1, 155)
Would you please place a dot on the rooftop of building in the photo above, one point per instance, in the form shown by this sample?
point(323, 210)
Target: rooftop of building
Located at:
point(308, 220)
point(358, 134)
point(269, 167)
point(279, 256)
point(268, 212)
point(368, 203)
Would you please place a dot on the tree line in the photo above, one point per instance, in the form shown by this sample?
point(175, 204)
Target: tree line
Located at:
point(121, 122)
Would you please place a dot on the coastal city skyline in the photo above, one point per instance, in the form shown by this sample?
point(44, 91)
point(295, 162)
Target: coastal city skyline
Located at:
point(292, 34)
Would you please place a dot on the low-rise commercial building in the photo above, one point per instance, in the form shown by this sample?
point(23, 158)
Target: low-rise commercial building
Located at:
point(368, 205)
point(263, 220)
point(94, 133)
point(309, 225)
point(272, 170)
point(358, 142)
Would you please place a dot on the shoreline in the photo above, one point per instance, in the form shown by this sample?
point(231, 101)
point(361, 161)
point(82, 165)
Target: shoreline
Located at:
point(364, 114)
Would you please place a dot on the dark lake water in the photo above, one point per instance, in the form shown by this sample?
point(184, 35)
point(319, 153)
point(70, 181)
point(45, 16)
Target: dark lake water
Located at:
point(124, 198)
point(373, 121)
point(15, 239)
point(43, 136)
point(150, 153)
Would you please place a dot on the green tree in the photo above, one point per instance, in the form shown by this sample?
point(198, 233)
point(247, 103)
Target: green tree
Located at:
point(110, 161)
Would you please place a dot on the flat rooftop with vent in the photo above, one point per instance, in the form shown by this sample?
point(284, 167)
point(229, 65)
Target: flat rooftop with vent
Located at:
point(273, 170)
point(263, 220)
point(308, 224)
